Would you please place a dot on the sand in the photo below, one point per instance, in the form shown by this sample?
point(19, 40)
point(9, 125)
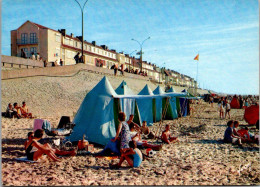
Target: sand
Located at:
point(199, 158)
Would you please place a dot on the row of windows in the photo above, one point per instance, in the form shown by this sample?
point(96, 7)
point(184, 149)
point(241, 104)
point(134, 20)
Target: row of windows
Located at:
point(25, 39)
point(68, 41)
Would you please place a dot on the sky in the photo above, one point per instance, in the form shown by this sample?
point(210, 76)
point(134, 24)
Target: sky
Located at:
point(225, 33)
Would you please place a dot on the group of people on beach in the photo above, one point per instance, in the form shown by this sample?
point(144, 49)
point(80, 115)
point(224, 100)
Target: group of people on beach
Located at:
point(15, 111)
point(238, 136)
point(128, 138)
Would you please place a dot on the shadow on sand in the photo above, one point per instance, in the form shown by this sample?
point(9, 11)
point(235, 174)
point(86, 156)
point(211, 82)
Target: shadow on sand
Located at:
point(245, 146)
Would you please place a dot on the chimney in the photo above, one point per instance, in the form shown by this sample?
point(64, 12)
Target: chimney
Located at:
point(63, 32)
point(94, 43)
point(103, 46)
point(79, 37)
point(71, 35)
point(113, 50)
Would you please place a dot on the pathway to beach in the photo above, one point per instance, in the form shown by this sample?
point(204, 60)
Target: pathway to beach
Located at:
point(199, 158)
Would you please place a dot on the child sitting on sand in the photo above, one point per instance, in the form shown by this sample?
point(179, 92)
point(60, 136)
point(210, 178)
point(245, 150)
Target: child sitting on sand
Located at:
point(35, 150)
point(166, 137)
point(229, 136)
point(146, 131)
point(133, 156)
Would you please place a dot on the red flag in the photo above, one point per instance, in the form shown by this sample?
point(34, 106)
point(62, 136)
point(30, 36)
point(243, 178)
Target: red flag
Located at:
point(196, 57)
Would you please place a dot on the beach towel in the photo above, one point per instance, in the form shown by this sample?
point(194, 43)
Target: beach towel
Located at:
point(24, 159)
point(37, 124)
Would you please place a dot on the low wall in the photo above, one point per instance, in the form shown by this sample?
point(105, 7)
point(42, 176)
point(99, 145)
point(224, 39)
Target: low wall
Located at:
point(21, 62)
point(61, 71)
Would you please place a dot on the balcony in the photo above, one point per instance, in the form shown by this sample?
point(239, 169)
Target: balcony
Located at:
point(27, 42)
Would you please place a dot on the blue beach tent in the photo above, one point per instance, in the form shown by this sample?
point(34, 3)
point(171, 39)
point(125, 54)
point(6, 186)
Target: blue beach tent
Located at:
point(128, 105)
point(158, 103)
point(146, 106)
point(97, 115)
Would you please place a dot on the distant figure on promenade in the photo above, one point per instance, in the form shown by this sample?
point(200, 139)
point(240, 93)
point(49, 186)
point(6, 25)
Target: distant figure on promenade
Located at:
point(76, 57)
point(115, 69)
point(38, 56)
point(122, 69)
point(23, 54)
point(81, 59)
point(61, 62)
point(45, 63)
point(33, 56)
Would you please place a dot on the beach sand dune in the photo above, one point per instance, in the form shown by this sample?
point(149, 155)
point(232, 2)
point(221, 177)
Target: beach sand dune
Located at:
point(199, 158)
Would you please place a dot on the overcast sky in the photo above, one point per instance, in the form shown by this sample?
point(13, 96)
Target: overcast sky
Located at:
point(225, 33)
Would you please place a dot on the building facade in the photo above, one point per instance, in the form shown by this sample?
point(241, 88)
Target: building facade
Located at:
point(54, 45)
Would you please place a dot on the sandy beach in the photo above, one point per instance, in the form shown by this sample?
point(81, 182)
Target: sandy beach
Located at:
point(199, 158)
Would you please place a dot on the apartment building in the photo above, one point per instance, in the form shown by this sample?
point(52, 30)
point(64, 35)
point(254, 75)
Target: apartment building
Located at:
point(55, 45)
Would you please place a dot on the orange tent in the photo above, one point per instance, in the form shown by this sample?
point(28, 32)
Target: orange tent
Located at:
point(234, 103)
point(252, 114)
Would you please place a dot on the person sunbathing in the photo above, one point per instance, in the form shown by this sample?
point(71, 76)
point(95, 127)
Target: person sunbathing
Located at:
point(30, 137)
point(35, 150)
point(135, 136)
point(166, 137)
point(133, 156)
point(246, 136)
point(25, 111)
point(146, 131)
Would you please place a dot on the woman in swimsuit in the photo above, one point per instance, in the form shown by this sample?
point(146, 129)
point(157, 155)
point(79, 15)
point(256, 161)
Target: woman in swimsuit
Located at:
point(35, 150)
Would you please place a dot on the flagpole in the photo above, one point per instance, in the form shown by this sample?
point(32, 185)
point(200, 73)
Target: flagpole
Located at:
point(197, 76)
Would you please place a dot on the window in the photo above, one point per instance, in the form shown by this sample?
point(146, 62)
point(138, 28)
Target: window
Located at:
point(76, 44)
point(57, 37)
point(98, 51)
point(24, 38)
point(33, 38)
point(71, 42)
point(67, 41)
point(89, 48)
point(93, 49)
point(108, 54)
point(33, 50)
point(85, 47)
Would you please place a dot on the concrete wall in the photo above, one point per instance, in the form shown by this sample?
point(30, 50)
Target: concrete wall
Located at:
point(20, 61)
point(61, 70)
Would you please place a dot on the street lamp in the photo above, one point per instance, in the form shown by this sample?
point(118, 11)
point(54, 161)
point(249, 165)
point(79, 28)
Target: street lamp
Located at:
point(130, 59)
point(141, 52)
point(82, 15)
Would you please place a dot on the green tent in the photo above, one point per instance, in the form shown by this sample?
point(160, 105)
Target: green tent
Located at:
point(128, 105)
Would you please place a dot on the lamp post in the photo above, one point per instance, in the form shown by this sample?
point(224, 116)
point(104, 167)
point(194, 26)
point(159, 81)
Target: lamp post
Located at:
point(129, 59)
point(82, 18)
point(141, 52)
